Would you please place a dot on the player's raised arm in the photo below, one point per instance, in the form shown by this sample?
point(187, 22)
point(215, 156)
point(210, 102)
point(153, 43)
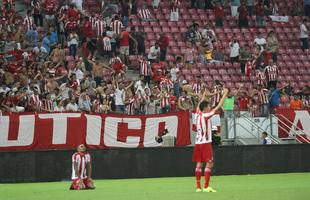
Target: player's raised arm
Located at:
point(225, 92)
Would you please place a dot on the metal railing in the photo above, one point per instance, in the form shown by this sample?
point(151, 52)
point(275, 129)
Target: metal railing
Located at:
point(293, 128)
point(274, 139)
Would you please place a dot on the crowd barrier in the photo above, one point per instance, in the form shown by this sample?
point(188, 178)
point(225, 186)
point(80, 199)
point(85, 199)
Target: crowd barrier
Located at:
point(111, 163)
point(44, 131)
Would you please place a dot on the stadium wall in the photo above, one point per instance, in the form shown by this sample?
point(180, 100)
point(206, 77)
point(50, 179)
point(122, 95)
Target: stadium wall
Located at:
point(30, 166)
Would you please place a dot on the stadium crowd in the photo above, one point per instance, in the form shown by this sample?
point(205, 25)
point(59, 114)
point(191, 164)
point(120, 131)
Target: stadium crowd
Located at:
point(60, 57)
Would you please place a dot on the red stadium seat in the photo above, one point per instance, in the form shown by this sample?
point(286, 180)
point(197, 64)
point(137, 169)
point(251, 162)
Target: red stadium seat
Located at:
point(213, 72)
point(166, 29)
point(181, 44)
point(207, 78)
point(156, 29)
point(195, 71)
point(189, 77)
point(226, 78)
point(204, 71)
point(148, 30)
point(186, 71)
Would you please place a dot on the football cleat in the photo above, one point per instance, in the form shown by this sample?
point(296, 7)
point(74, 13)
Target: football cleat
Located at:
point(208, 189)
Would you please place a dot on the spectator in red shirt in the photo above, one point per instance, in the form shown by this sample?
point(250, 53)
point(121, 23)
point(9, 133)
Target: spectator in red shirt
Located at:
point(124, 45)
point(243, 16)
point(50, 11)
point(71, 25)
point(158, 76)
point(243, 101)
point(118, 68)
point(87, 30)
point(73, 13)
point(219, 14)
point(172, 100)
point(163, 45)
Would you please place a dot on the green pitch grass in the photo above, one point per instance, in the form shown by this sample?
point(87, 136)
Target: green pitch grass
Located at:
point(251, 187)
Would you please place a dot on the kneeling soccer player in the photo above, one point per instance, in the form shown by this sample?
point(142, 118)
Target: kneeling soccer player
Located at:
point(203, 152)
point(81, 170)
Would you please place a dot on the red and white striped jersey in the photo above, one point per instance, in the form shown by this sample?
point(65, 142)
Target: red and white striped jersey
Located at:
point(248, 68)
point(117, 26)
point(48, 105)
point(217, 98)
point(271, 72)
point(35, 102)
point(263, 96)
point(82, 160)
point(145, 67)
point(115, 60)
point(106, 41)
point(165, 101)
point(198, 35)
point(28, 22)
point(147, 98)
point(203, 126)
point(197, 88)
point(71, 25)
point(93, 20)
point(100, 27)
point(166, 84)
point(144, 13)
point(306, 102)
point(132, 105)
point(261, 78)
point(175, 6)
point(96, 104)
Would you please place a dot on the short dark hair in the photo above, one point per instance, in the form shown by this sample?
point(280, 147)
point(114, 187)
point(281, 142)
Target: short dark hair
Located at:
point(265, 133)
point(218, 82)
point(203, 105)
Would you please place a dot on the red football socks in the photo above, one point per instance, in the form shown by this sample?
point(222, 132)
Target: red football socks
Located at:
point(207, 177)
point(198, 176)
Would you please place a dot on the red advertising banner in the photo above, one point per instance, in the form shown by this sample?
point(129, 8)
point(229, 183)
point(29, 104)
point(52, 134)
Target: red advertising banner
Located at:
point(290, 119)
point(44, 131)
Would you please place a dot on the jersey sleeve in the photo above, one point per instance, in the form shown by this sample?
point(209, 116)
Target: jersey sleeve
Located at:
point(88, 158)
point(76, 158)
point(208, 114)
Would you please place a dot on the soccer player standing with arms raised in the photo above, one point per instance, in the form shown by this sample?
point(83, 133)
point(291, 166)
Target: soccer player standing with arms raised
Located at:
point(203, 152)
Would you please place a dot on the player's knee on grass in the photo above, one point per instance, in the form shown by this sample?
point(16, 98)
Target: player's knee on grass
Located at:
point(77, 184)
point(89, 184)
